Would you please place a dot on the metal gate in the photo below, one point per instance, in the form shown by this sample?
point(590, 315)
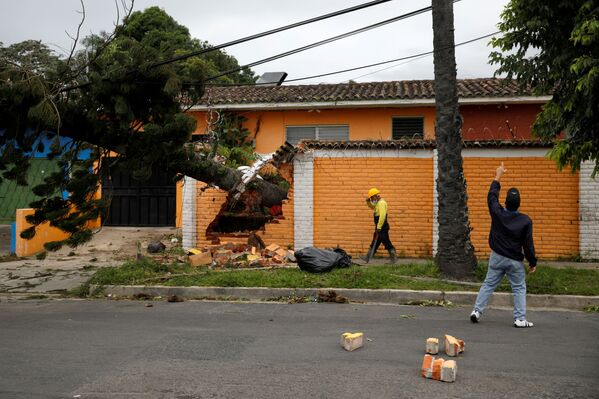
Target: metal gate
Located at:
point(135, 203)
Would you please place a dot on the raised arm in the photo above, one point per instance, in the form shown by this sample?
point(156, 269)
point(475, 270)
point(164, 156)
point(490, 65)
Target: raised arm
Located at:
point(493, 196)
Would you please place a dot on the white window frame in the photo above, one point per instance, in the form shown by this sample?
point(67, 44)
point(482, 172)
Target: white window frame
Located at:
point(317, 130)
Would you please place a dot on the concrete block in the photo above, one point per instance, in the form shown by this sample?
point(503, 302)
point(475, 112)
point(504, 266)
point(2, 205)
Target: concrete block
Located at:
point(427, 366)
point(352, 341)
point(453, 346)
point(449, 371)
point(437, 366)
point(432, 346)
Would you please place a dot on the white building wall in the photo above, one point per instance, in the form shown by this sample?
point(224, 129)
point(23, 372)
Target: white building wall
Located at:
point(588, 212)
point(303, 200)
point(189, 213)
point(435, 203)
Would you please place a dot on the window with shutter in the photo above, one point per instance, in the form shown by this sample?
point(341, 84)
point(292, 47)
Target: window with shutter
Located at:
point(407, 128)
point(295, 134)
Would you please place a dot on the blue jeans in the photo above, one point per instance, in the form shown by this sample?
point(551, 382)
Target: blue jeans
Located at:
point(498, 267)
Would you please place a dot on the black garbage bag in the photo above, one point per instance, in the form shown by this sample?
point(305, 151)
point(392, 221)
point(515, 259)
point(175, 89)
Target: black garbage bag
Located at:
point(316, 260)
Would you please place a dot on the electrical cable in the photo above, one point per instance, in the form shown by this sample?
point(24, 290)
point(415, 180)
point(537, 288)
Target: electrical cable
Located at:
point(414, 56)
point(270, 32)
point(252, 37)
point(322, 42)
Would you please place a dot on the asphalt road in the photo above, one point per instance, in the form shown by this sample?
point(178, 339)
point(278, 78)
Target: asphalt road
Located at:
point(122, 349)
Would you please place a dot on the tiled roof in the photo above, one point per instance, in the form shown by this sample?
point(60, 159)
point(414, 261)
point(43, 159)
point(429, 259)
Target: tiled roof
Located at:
point(393, 90)
point(416, 144)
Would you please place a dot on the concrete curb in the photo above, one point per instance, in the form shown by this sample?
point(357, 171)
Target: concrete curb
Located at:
point(397, 297)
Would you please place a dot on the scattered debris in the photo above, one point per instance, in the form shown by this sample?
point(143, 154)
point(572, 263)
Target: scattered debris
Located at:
point(352, 341)
point(449, 371)
point(174, 298)
point(331, 296)
point(453, 346)
point(149, 305)
point(141, 296)
point(201, 259)
point(407, 316)
point(155, 247)
point(426, 303)
point(439, 369)
point(432, 346)
point(240, 255)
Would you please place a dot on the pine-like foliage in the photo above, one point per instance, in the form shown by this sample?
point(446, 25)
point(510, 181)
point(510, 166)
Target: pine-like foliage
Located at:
point(110, 101)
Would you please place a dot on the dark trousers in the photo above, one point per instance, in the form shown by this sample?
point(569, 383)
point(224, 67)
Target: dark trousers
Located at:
point(381, 238)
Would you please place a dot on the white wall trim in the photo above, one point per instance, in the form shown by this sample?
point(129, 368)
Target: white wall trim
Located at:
point(373, 103)
point(303, 201)
point(505, 152)
point(371, 153)
point(435, 203)
point(588, 212)
point(189, 214)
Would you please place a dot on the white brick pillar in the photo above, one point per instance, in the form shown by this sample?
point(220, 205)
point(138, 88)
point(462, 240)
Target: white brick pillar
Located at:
point(303, 200)
point(588, 212)
point(435, 202)
point(189, 213)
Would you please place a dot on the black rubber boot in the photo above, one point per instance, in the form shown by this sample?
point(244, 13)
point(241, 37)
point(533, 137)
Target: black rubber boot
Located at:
point(393, 256)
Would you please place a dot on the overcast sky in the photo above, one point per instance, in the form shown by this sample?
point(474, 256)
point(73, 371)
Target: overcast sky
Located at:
point(224, 20)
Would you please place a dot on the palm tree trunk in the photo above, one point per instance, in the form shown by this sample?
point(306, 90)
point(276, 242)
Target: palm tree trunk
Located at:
point(455, 253)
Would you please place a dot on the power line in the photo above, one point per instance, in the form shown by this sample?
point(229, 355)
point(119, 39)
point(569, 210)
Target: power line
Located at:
point(252, 37)
point(322, 42)
point(409, 57)
point(270, 32)
point(422, 55)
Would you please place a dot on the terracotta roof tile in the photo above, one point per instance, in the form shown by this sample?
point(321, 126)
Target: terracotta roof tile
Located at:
point(392, 90)
point(415, 144)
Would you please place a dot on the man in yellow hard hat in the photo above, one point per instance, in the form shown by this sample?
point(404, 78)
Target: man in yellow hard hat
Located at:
point(381, 223)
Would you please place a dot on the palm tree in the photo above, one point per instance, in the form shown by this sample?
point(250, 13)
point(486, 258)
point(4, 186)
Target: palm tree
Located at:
point(455, 253)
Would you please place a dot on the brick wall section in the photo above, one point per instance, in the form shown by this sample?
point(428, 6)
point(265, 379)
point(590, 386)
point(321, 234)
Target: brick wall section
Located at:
point(589, 213)
point(280, 231)
point(209, 203)
point(342, 218)
point(549, 197)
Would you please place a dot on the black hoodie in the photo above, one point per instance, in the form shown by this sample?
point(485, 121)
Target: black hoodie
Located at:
point(511, 232)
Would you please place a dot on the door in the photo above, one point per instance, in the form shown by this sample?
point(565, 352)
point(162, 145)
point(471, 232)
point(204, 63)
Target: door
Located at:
point(140, 203)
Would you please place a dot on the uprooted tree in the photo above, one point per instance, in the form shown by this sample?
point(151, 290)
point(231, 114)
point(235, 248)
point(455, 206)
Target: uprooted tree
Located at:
point(111, 99)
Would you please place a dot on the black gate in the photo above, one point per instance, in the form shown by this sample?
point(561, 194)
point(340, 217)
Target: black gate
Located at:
point(134, 203)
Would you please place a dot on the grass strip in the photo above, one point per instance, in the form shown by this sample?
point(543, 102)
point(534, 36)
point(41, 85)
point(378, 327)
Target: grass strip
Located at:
point(149, 272)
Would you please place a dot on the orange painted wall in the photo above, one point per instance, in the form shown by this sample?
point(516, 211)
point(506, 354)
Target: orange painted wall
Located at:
point(341, 216)
point(268, 127)
point(44, 233)
point(549, 197)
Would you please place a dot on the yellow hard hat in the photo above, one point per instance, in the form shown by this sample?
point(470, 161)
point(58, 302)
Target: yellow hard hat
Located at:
point(373, 191)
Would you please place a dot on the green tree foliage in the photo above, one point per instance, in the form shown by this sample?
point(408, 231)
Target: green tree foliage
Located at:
point(109, 99)
point(553, 46)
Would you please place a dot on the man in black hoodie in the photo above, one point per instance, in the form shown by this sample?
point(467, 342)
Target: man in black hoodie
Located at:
point(510, 241)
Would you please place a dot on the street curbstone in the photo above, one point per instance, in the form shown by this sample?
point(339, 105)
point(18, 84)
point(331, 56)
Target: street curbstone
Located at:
point(397, 297)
